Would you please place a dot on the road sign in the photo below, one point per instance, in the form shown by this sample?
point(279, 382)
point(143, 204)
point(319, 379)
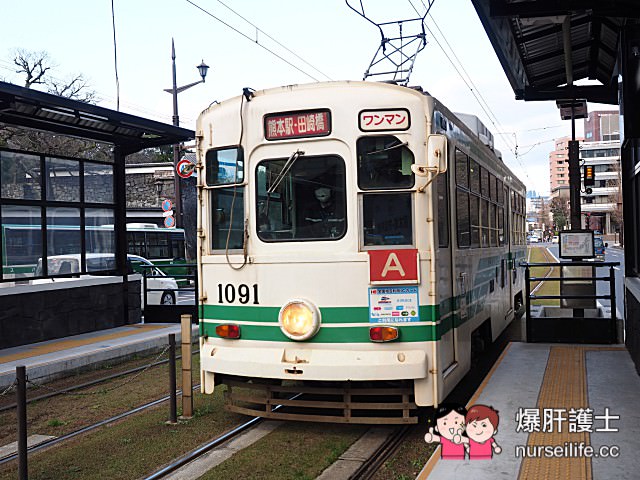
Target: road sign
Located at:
point(166, 205)
point(167, 214)
point(185, 168)
point(169, 222)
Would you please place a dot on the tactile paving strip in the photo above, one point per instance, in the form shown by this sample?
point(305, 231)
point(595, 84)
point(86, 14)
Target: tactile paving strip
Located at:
point(564, 386)
point(59, 345)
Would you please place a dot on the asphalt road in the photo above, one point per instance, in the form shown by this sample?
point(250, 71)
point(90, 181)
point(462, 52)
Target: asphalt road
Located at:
point(602, 288)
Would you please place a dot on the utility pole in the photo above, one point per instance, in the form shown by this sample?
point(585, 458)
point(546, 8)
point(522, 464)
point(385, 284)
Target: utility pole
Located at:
point(175, 90)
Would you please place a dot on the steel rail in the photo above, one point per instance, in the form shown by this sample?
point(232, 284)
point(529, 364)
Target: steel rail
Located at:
point(198, 452)
point(55, 441)
point(90, 383)
point(371, 466)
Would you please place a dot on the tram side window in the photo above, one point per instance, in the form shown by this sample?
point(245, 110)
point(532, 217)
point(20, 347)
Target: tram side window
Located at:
point(484, 182)
point(484, 219)
point(302, 199)
point(474, 176)
point(225, 166)
point(227, 211)
point(442, 185)
point(493, 218)
point(501, 237)
point(462, 210)
point(384, 162)
point(474, 214)
point(462, 169)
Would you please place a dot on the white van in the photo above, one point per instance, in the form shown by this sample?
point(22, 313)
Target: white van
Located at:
point(161, 289)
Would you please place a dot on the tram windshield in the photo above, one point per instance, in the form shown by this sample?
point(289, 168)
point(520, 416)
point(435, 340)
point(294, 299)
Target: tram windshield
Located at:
point(302, 199)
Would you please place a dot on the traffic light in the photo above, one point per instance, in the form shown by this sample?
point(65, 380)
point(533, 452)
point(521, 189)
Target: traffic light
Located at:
point(589, 176)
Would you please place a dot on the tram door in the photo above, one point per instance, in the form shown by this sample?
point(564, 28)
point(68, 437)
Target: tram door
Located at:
point(445, 272)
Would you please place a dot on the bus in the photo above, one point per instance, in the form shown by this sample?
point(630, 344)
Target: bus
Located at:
point(22, 245)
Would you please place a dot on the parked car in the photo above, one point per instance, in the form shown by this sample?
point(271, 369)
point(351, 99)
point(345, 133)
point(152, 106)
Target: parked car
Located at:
point(599, 247)
point(555, 239)
point(161, 288)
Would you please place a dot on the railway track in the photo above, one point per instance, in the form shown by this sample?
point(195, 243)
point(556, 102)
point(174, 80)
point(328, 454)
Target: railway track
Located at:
point(88, 428)
point(371, 466)
point(91, 383)
point(203, 449)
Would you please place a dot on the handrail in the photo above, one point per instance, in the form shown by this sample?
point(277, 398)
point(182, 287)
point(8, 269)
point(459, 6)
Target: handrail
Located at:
point(578, 312)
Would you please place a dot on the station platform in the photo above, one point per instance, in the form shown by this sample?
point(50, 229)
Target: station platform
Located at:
point(565, 411)
point(48, 360)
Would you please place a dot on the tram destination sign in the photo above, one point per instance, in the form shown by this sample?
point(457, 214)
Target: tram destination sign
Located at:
point(283, 126)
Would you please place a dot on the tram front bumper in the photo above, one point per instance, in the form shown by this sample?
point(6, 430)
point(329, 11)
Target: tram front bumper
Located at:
point(307, 364)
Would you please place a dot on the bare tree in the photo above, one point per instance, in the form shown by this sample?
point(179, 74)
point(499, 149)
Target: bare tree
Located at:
point(33, 65)
point(36, 67)
point(76, 88)
point(560, 212)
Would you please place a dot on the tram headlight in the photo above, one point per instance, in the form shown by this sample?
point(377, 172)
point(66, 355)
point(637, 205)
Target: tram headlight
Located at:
point(299, 320)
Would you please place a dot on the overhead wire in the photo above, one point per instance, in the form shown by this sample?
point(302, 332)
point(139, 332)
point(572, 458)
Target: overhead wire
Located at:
point(102, 97)
point(512, 147)
point(252, 40)
point(115, 56)
point(258, 29)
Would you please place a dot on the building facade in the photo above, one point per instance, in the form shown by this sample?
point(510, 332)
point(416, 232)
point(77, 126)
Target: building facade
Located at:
point(602, 209)
point(602, 126)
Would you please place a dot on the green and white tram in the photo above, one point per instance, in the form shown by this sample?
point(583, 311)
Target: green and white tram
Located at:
point(352, 235)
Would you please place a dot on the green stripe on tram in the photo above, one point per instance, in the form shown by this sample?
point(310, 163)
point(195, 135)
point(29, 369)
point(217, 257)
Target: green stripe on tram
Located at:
point(272, 333)
point(409, 332)
point(427, 313)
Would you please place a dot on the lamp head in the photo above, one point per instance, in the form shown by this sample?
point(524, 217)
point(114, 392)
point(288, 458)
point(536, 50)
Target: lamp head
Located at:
point(203, 68)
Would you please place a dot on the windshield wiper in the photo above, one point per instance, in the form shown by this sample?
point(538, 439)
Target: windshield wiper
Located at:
point(403, 144)
point(285, 169)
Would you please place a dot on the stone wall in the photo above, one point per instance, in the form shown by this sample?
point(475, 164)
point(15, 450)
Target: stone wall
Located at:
point(147, 190)
point(41, 314)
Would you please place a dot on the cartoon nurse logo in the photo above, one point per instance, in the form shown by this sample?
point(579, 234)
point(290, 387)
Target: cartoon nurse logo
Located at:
point(449, 423)
point(482, 426)
point(460, 431)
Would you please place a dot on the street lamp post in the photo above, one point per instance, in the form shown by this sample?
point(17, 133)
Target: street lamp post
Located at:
point(175, 90)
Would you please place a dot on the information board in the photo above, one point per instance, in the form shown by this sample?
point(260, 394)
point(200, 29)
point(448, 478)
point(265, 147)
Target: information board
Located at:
point(576, 244)
point(393, 304)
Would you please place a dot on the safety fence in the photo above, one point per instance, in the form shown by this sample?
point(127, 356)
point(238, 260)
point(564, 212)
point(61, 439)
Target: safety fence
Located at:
point(22, 383)
point(577, 317)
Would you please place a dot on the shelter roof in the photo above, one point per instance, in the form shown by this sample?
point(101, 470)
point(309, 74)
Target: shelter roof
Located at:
point(29, 108)
point(545, 46)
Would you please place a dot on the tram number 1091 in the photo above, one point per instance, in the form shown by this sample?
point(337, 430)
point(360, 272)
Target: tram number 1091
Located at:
point(243, 293)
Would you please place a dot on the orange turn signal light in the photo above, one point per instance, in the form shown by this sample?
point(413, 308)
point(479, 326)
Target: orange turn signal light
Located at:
point(383, 334)
point(228, 330)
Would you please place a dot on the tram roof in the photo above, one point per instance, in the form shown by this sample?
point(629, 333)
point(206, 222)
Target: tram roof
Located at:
point(542, 55)
point(29, 108)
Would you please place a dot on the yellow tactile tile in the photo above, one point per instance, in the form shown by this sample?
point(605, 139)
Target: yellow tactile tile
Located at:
point(564, 386)
point(34, 351)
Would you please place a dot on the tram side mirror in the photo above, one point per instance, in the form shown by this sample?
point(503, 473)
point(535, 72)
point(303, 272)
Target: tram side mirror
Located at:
point(436, 157)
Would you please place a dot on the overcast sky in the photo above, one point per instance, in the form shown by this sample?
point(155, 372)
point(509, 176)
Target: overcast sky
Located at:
point(329, 41)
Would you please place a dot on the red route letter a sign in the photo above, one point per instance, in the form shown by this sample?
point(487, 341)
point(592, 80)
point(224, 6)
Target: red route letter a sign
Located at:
point(393, 265)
